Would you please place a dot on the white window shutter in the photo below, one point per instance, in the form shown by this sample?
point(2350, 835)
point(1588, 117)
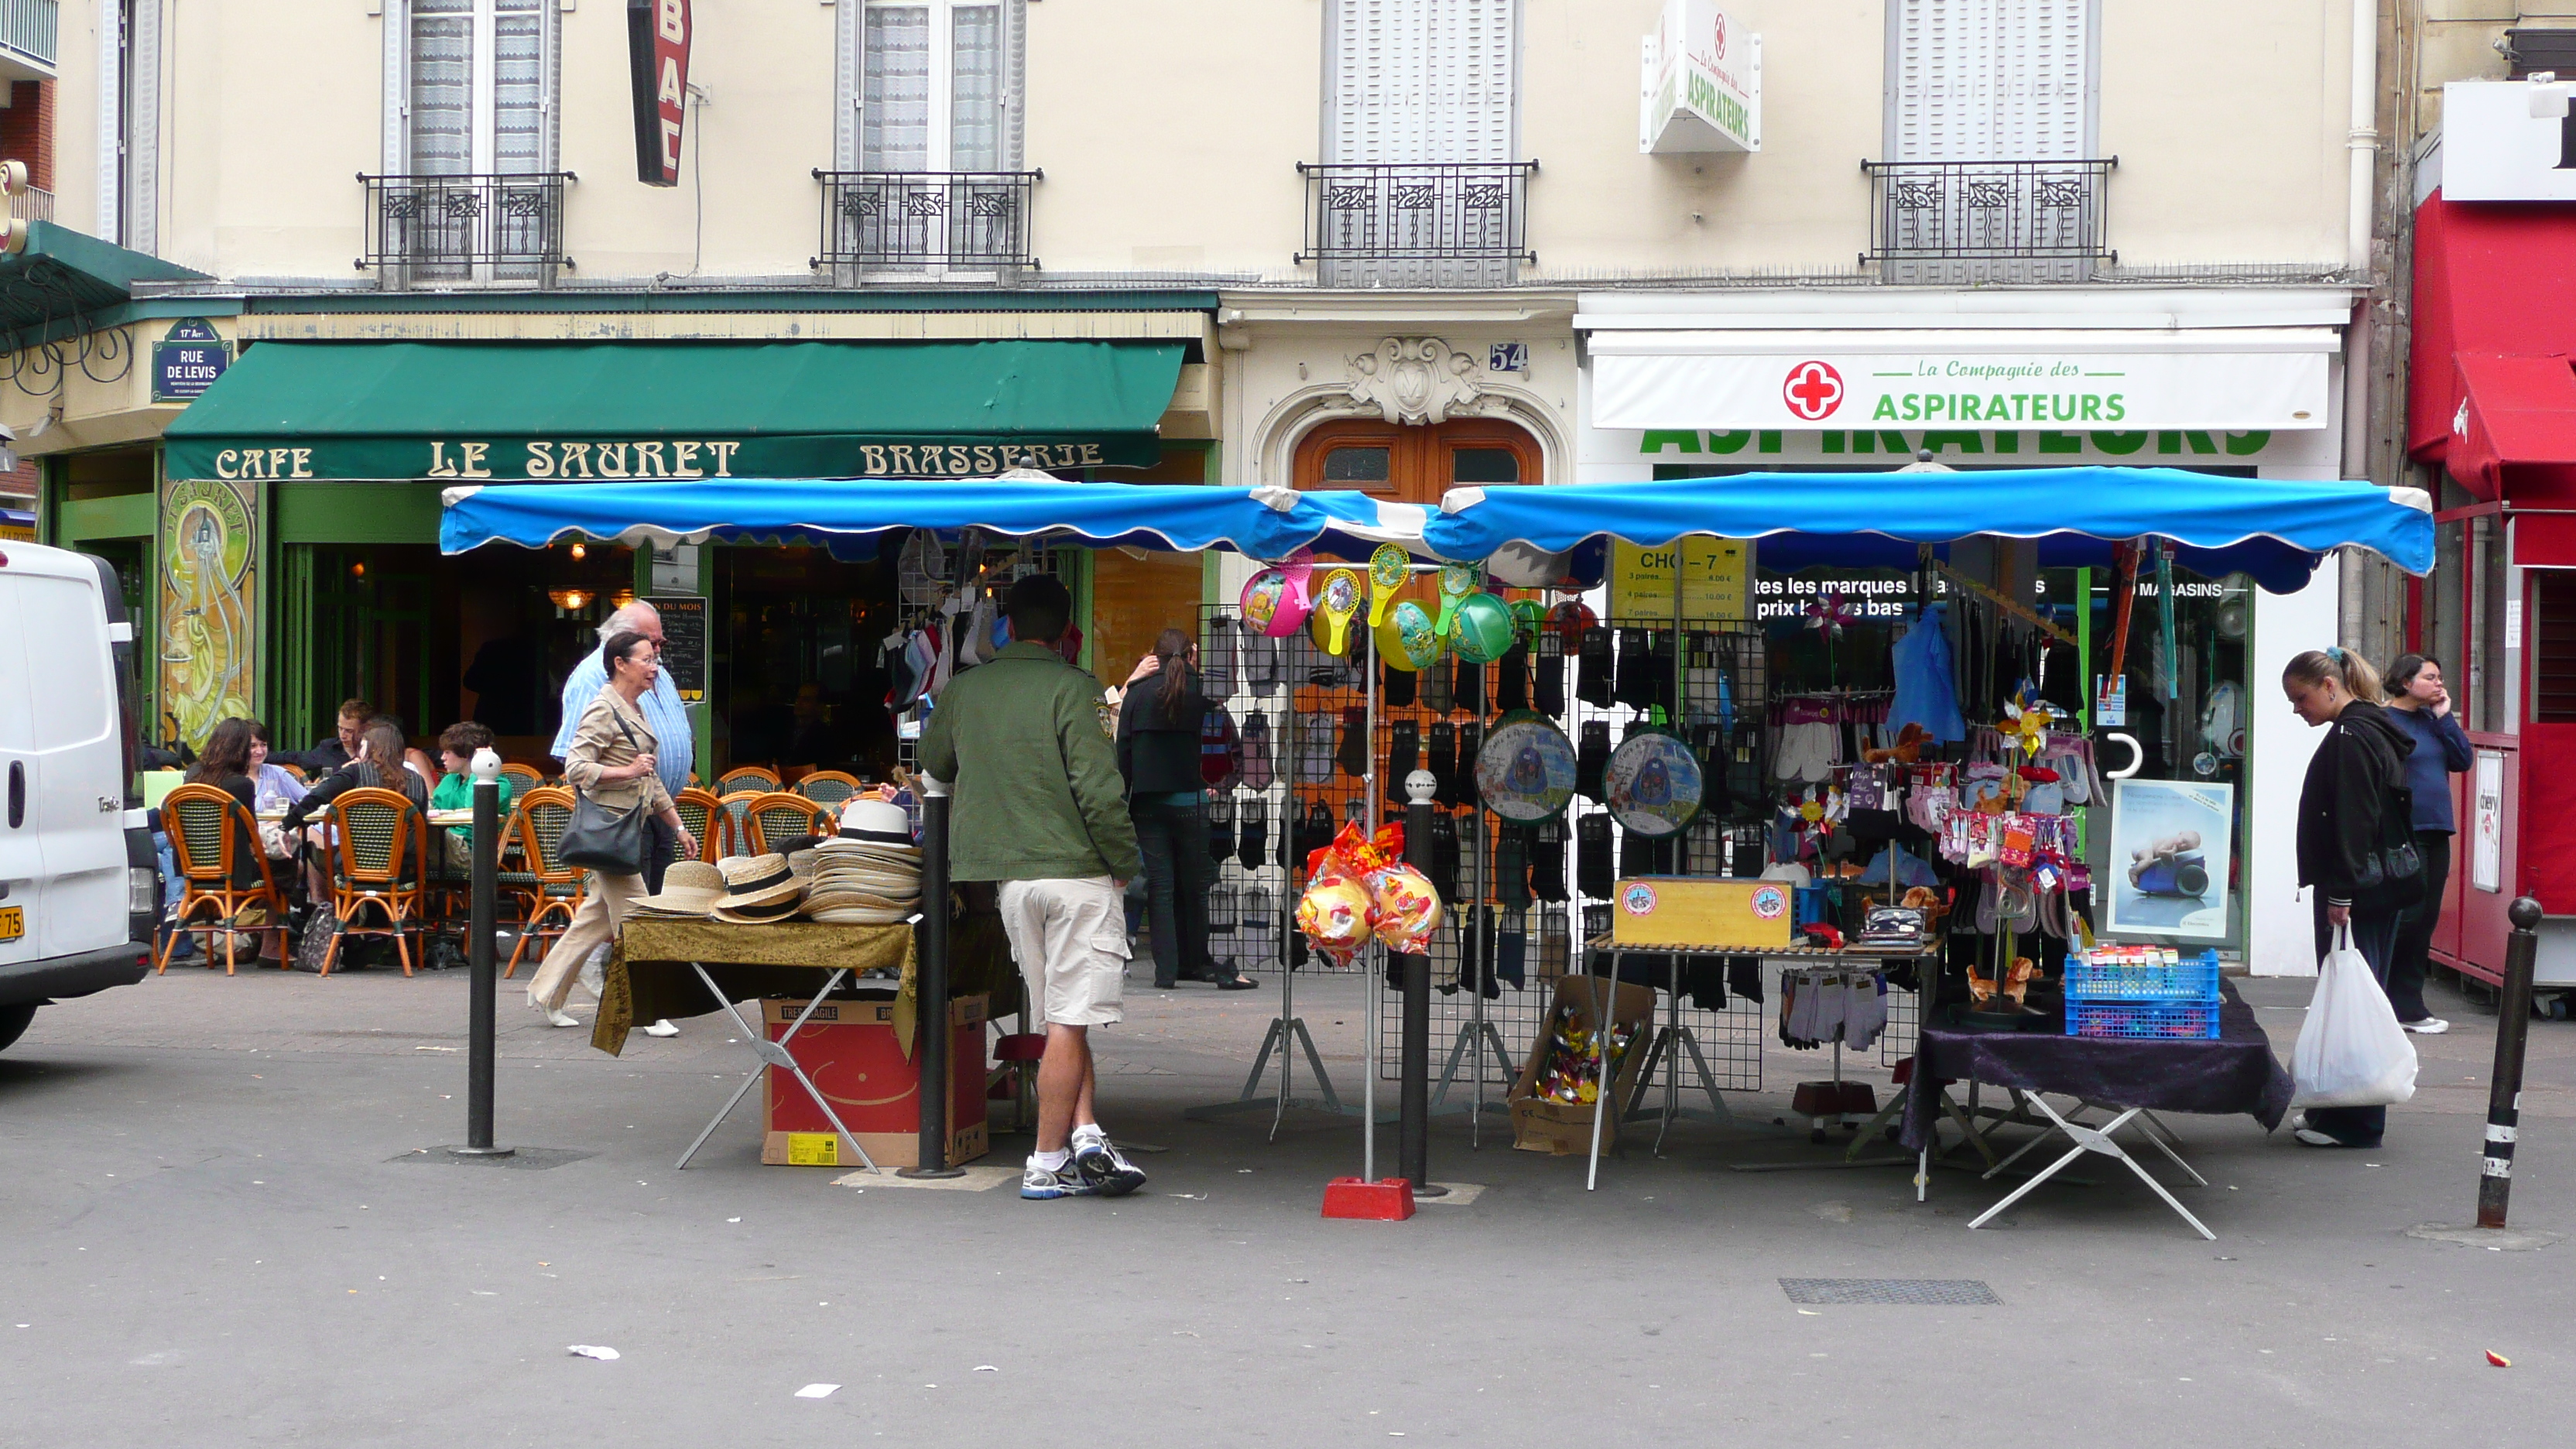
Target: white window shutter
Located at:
point(846, 45)
point(1986, 80)
point(1422, 80)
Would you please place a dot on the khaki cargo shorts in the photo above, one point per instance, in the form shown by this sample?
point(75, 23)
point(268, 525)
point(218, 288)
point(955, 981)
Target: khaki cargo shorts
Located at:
point(1070, 938)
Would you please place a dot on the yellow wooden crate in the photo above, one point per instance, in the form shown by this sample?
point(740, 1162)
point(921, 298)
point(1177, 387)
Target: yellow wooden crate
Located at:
point(1667, 910)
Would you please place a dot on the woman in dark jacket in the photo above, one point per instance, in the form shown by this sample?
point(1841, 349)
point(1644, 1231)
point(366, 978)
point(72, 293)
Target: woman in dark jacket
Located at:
point(225, 764)
point(2420, 705)
point(2357, 775)
point(1158, 752)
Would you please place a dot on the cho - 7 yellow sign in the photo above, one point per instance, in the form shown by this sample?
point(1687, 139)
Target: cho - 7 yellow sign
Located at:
point(1714, 571)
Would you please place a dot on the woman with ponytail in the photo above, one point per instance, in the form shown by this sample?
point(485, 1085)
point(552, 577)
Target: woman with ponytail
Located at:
point(1158, 752)
point(2355, 779)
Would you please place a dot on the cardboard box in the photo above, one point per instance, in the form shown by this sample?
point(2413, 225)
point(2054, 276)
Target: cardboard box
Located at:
point(1566, 1127)
point(849, 1049)
point(1671, 910)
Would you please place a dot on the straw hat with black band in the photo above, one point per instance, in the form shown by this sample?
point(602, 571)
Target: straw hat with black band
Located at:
point(758, 888)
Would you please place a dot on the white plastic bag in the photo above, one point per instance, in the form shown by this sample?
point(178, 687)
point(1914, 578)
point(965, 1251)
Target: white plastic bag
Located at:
point(2352, 1052)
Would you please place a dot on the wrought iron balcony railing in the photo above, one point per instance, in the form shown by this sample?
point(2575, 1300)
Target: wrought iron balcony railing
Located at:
point(1965, 222)
point(975, 221)
point(459, 229)
point(1431, 224)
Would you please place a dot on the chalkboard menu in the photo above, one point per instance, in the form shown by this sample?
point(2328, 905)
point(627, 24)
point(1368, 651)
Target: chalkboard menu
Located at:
point(684, 643)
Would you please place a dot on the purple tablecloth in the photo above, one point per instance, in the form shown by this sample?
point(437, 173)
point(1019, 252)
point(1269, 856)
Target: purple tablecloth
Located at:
point(2235, 1073)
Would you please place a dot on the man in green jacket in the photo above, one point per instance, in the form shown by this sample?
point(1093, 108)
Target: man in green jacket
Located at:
point(1038, 806)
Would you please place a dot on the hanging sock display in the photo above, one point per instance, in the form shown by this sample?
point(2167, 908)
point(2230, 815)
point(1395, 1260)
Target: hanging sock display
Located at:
point(1397, 690)
point(1256, 750)
point(1547, 862)
point(1433, 684)
point(1547, 693)
point(1592, 759)
point(1444, 854)
point(1512, 684)
point(1217, 658)
point(1471, 742)
point(1442, 761)
point(1255, 831)
point(1353, 756)
point(1512, 866)
point(1592, 667)
point(1663, 664)
point(1594, 871)
point(1635, 678)
point(1468, 693)
point(1403, 755)
point(1220, 828)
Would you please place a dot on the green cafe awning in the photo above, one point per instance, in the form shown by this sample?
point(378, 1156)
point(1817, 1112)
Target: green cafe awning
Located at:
point(576, 412)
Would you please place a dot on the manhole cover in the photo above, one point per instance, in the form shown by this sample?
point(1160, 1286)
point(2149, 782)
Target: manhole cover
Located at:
point(1934, 1291)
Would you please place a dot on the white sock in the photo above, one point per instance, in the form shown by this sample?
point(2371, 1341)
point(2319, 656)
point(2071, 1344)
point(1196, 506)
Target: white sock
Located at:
point(1051, 1161)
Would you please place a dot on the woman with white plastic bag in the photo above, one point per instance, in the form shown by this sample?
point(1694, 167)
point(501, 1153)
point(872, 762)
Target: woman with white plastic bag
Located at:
point(2361, 883)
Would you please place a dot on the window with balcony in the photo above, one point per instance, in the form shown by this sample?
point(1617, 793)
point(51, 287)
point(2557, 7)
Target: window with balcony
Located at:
point(1992, 175)
point(927, 173)
point(1420, 185)
point(469, 192)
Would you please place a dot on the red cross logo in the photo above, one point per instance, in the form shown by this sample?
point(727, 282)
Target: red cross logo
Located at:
point(1813, 390)
point(1721, 37)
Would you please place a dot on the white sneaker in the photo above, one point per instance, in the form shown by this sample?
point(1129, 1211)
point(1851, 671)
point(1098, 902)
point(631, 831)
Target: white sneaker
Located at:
point(662, 1028)
point(2315, 1138)
point(560, 1018)
point(2429, 1026)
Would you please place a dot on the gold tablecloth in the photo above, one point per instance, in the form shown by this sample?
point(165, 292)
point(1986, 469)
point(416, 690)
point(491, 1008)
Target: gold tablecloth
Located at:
point(648, 975)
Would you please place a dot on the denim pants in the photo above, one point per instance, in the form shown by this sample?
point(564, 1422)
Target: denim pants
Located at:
point(1178, 873)
point(2411, 959)
point(2374, 935)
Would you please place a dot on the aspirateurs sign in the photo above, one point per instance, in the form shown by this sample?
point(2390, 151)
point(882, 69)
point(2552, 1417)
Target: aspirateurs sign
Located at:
point(1702, 89)
point(2042, 387)
point(658, 33)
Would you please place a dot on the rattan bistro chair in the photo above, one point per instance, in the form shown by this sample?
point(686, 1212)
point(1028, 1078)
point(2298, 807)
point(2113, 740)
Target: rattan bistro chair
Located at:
point(553, 889)
point(378, 862)
point(207, 828)
point(771, 820)
point(523, 778)
point(700, 811)
point(749, 777)
point(829, 787)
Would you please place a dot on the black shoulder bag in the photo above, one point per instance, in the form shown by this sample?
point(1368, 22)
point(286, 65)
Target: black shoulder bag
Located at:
point(598, 838)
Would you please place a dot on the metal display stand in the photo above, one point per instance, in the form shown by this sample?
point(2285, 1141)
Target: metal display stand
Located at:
point(2096, 1139)
point(775, 1054)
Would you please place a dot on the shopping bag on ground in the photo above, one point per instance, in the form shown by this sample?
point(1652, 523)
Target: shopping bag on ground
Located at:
point(2352, 1052)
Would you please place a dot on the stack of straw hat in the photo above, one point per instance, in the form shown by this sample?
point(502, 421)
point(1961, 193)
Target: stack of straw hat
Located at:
point(870, 873)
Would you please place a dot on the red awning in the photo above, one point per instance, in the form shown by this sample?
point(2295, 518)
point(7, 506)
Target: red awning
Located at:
point(2513, 434)
point(2491, 394)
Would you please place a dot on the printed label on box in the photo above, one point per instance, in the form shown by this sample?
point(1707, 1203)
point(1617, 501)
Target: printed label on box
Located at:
point(813, 1149)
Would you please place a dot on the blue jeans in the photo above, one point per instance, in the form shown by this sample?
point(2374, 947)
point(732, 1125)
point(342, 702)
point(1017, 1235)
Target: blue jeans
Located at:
point(1178, 874)
point(2374, 935)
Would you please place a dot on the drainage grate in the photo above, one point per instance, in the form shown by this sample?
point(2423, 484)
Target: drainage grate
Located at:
point(1928, 1291)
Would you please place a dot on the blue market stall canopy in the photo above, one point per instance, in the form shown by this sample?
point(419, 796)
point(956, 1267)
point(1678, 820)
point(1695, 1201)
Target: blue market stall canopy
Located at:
point(2273, 529)
point(1262, 522)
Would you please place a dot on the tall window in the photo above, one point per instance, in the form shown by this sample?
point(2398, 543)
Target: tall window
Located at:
point(478, 77)
point(1421, 80)
point(934, 85)
point(1990, 80)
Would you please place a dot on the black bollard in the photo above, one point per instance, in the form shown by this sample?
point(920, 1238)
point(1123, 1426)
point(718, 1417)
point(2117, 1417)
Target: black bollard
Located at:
point(480, 922)
point(930, 990)
point(2504, 1093)
point(1413, 1112)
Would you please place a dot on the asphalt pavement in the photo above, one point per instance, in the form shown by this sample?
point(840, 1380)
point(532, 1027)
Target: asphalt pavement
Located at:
point(222, 1230)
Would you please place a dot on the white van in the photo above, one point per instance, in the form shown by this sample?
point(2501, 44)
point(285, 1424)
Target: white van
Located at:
point(77, 888)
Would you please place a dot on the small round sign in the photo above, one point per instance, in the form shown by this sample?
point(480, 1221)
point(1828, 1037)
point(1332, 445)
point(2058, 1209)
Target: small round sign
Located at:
point(1770, 901)
point(1653, 784)
point(1525, 771)
point(1638, 899)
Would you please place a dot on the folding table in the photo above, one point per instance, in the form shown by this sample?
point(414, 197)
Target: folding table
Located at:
point(2131, 1078)
point(650, 973)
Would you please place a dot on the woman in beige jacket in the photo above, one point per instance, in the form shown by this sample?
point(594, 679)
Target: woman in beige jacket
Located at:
point(610, 760)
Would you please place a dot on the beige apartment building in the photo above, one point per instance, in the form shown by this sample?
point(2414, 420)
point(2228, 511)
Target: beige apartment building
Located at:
point(1376, 244)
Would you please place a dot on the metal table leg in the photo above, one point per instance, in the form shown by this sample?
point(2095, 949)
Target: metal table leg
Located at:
point(775, 1054)
point(2093, 1139)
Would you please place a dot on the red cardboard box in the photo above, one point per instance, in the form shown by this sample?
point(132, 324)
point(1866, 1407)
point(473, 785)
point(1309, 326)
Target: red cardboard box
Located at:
point(848, 1048)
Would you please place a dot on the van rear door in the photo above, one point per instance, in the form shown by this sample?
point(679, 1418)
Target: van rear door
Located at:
point(73, 754)
point(22, 857)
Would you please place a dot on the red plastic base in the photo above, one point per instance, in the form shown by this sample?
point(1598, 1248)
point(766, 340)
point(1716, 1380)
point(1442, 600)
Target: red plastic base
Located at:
point(1388, 1201)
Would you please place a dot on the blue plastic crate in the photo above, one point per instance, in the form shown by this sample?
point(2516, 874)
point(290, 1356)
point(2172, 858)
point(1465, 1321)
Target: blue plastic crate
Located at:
point(2144, 1020)
point(1809, 904)
point(2190, 979)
